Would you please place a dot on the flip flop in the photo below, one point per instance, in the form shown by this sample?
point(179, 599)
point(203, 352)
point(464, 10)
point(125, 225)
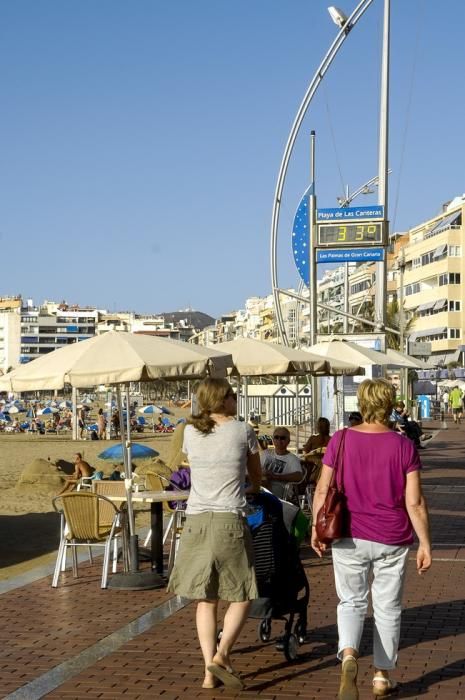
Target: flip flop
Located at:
point(226, 675)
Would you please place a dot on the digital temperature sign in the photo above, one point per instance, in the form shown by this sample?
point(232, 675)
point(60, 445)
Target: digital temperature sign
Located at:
point(351, 233)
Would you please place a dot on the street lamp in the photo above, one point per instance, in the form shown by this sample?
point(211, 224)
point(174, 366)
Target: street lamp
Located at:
point(339, 18)
point(348, 25)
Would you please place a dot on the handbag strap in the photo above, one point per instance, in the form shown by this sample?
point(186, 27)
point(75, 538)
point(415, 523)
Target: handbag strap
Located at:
point(338, 468)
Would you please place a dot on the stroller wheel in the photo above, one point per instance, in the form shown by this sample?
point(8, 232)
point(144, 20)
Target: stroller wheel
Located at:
point(300, 631)
point(290, 647)
point(264, 630)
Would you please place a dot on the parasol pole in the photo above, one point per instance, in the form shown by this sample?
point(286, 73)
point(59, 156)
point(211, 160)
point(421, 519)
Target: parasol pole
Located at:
point(74, 414)
point(121, 426)
point(133, 538)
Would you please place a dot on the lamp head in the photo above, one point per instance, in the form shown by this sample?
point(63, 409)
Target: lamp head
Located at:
point(337, 16)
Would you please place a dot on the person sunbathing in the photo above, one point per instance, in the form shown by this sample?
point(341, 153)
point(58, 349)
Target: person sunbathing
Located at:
point(81, 469)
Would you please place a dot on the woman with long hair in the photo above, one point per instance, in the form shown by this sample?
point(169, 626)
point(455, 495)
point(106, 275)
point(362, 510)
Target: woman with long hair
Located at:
point(385, 505)
point(215, 558)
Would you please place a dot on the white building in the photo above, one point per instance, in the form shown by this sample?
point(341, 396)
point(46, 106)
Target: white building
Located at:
point(10, 332)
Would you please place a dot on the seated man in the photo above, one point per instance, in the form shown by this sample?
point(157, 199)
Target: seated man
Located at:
point(82, 469)
point(404, 424)
point(281, 466)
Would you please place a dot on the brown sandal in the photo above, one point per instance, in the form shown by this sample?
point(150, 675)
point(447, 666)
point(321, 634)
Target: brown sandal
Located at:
point(348, 687)
point(226, 675)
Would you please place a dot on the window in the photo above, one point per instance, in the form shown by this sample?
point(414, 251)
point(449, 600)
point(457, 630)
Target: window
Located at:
point(454, 305)
point(412, 289)
point(449, 278)
point(427, 258)
point(360, 286)
point(416, 262)
point(454, 332)
point(455, 251)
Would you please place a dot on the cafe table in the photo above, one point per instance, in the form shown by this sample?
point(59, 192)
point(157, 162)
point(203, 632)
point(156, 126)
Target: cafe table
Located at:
point(156, 500)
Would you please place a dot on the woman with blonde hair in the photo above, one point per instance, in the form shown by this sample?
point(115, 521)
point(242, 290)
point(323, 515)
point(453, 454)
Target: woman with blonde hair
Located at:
point(385, 504)
point(215, 558)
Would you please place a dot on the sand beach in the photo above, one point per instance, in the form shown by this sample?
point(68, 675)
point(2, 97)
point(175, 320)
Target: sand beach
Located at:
point(29, 527)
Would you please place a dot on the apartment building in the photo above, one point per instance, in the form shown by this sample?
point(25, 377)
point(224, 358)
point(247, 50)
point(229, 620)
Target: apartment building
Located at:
point(432, 282)
point(53, 325)
point(10, 332)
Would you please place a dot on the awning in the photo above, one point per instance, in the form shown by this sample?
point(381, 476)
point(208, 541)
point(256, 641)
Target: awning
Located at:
point(426, 306)
point(429, 331)
point(440, 305)
point(445, 358)
point(445, 223)
point(440, 251)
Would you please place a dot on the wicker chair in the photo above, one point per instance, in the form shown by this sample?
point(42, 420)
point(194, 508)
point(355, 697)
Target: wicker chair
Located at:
point(108, 488)
point(157, 482)
point(84, 522)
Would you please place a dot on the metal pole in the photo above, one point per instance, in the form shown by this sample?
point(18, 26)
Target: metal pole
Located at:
point(312, 270)
point(403, 371)
point(346, 298)
point(381, 276)
point(74, 424)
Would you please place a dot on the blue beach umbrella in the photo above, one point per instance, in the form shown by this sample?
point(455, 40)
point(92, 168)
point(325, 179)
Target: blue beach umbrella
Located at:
point(48, 410)
point(150, 409)
point(138, 451)
point(65, 404)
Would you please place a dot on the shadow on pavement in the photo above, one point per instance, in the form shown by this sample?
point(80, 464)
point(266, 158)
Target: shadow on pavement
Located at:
point(420, 624)
point(24, 537)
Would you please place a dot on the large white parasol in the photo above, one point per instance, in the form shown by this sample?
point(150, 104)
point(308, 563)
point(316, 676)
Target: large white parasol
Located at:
point(118, 358)
point(255, 358)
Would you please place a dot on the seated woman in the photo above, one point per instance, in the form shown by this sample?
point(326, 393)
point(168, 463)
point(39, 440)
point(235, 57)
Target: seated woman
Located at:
point(314, 449)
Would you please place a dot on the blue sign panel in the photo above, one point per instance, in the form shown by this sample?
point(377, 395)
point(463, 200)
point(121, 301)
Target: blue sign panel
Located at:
point(340, 255)
point(351, 213)
point(301, 237)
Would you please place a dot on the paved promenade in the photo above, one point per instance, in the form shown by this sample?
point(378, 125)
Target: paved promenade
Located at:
point(79, 641)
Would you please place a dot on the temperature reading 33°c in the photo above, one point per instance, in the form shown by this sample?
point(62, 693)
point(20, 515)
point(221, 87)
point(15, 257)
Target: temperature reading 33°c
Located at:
point(350, 233)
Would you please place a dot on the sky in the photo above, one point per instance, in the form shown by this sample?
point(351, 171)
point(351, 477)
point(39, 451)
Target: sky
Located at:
point(140, 140)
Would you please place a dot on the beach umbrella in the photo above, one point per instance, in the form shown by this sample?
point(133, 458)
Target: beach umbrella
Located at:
point(11, 409)
point(355, 354)
point(48, 410)
point(401, 359)
point(150, 409)
point(138, 451)
point(65, 404)
point(5, 417)
point(117, 358)
point(254, 358)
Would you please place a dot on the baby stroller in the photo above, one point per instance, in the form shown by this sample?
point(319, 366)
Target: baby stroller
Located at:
point(277, 528)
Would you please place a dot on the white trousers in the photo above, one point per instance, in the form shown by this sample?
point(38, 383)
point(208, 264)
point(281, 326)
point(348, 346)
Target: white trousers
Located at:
point(354, 561)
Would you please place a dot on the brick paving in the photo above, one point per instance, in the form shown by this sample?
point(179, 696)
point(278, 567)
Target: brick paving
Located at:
point(41, 628)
